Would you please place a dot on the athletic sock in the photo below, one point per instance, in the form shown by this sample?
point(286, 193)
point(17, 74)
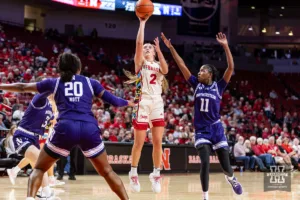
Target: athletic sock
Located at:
point(230, 178)
point(205, 195)
point(30, 198)
point(16, 169)
point(134, 171)
point(156, 171)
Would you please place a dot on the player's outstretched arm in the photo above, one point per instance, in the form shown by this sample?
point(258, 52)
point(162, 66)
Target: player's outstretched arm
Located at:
point(113, 100)
point(139, 58)
point(19, 87)
point(183, 68)
point(163, 63)
point(221, 38)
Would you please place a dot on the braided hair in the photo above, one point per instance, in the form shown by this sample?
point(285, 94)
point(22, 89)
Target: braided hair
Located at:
point(213, 70)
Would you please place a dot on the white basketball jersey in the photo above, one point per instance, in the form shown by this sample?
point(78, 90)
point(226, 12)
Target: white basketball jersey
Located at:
point(151, 78)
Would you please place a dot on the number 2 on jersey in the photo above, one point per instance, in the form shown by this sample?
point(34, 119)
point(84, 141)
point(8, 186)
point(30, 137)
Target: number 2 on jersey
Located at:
point(153, 76)
point(74, 89)
point(204, 105)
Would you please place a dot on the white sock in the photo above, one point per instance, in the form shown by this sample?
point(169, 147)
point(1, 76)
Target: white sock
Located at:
point(30, 198)
point(230, 178)
point(46, 191)
point(156, 171)
point(205, 195)
point(16, 169)
point(51, 177)
point(134, 171)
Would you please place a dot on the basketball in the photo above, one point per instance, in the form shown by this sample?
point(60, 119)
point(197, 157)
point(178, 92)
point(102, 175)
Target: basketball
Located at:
point(144, 8)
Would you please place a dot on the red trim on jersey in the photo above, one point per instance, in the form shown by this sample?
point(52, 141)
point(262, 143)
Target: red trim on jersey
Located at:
point(158, 122)
point(139, 125)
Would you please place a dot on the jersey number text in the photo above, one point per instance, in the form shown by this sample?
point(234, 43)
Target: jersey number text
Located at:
point(204, 105)
point(153, 76)
point(73, 89)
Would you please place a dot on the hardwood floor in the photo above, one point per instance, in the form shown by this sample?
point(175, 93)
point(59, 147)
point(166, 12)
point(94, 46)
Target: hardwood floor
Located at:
point(174, 187)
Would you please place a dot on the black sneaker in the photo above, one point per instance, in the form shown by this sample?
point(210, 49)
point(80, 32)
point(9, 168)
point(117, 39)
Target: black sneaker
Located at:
point(59, 177)
point(72, 178)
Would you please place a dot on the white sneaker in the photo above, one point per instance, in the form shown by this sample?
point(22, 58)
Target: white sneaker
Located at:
point(54, 182)
point(42, 196)
point(12, 176)
point(134, 183)
point(155, 180)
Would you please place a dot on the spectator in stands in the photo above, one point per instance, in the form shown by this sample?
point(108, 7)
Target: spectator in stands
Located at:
point(250, 153)
point(119, 92)
point(27, 76)
point(240, 153)
point(67, 50)
point(2, 125)
point(105, 136)
point(290, 151)
point(231, 137)
point(79, 31)
point(296, 148)
point(128, 138)
point(265, 157)
point(273, 150)
point(90, 56)
point(94, 33)
point(86, 72)
point(282, 153)
point(273, 95)
point(265, 133)
point(18, 114)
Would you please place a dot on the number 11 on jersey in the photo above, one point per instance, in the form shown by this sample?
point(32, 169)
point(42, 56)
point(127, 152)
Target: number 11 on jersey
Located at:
point(204, 105)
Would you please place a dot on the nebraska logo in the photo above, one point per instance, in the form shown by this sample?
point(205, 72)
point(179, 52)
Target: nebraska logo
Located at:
point(166, 159)
point(196, 159)
point(119, 159)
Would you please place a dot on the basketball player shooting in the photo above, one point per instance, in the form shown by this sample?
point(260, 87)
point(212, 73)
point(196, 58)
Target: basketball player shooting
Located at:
point(149, 109)
point(209, 130)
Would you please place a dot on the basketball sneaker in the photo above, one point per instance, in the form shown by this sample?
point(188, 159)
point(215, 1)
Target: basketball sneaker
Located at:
point(12, 176)
point(155, 180)
point(54, 182)
point(134, 183)
point(236, 186)
point(43, 196)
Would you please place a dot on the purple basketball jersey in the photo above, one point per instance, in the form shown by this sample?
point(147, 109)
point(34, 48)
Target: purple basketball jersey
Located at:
point(37, 115)
point(74, 98)
point(207, 102)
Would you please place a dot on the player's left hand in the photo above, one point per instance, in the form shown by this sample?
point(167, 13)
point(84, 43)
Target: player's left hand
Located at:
point(221, 38)
point(131, 103)
point(156, 44)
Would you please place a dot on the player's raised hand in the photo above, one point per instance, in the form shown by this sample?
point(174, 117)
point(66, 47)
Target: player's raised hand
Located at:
point(156, 44)
point(221, 38)
point(143, 20)
point(166, 41)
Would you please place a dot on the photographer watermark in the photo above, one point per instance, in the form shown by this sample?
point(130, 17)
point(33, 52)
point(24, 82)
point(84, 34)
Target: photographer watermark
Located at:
point(277, 179)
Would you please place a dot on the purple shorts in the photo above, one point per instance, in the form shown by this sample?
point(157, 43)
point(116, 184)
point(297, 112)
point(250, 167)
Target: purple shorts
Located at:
point(24, 140)
point(213, 135)
point(70, 133)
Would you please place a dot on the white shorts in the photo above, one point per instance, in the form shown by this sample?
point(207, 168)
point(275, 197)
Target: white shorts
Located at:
point(149, 112)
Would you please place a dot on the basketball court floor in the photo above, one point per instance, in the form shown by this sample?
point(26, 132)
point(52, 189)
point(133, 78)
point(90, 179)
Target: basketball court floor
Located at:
point(174, 187)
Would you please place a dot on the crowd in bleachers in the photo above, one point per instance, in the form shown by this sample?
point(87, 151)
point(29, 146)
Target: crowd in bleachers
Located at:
point(245, 110)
